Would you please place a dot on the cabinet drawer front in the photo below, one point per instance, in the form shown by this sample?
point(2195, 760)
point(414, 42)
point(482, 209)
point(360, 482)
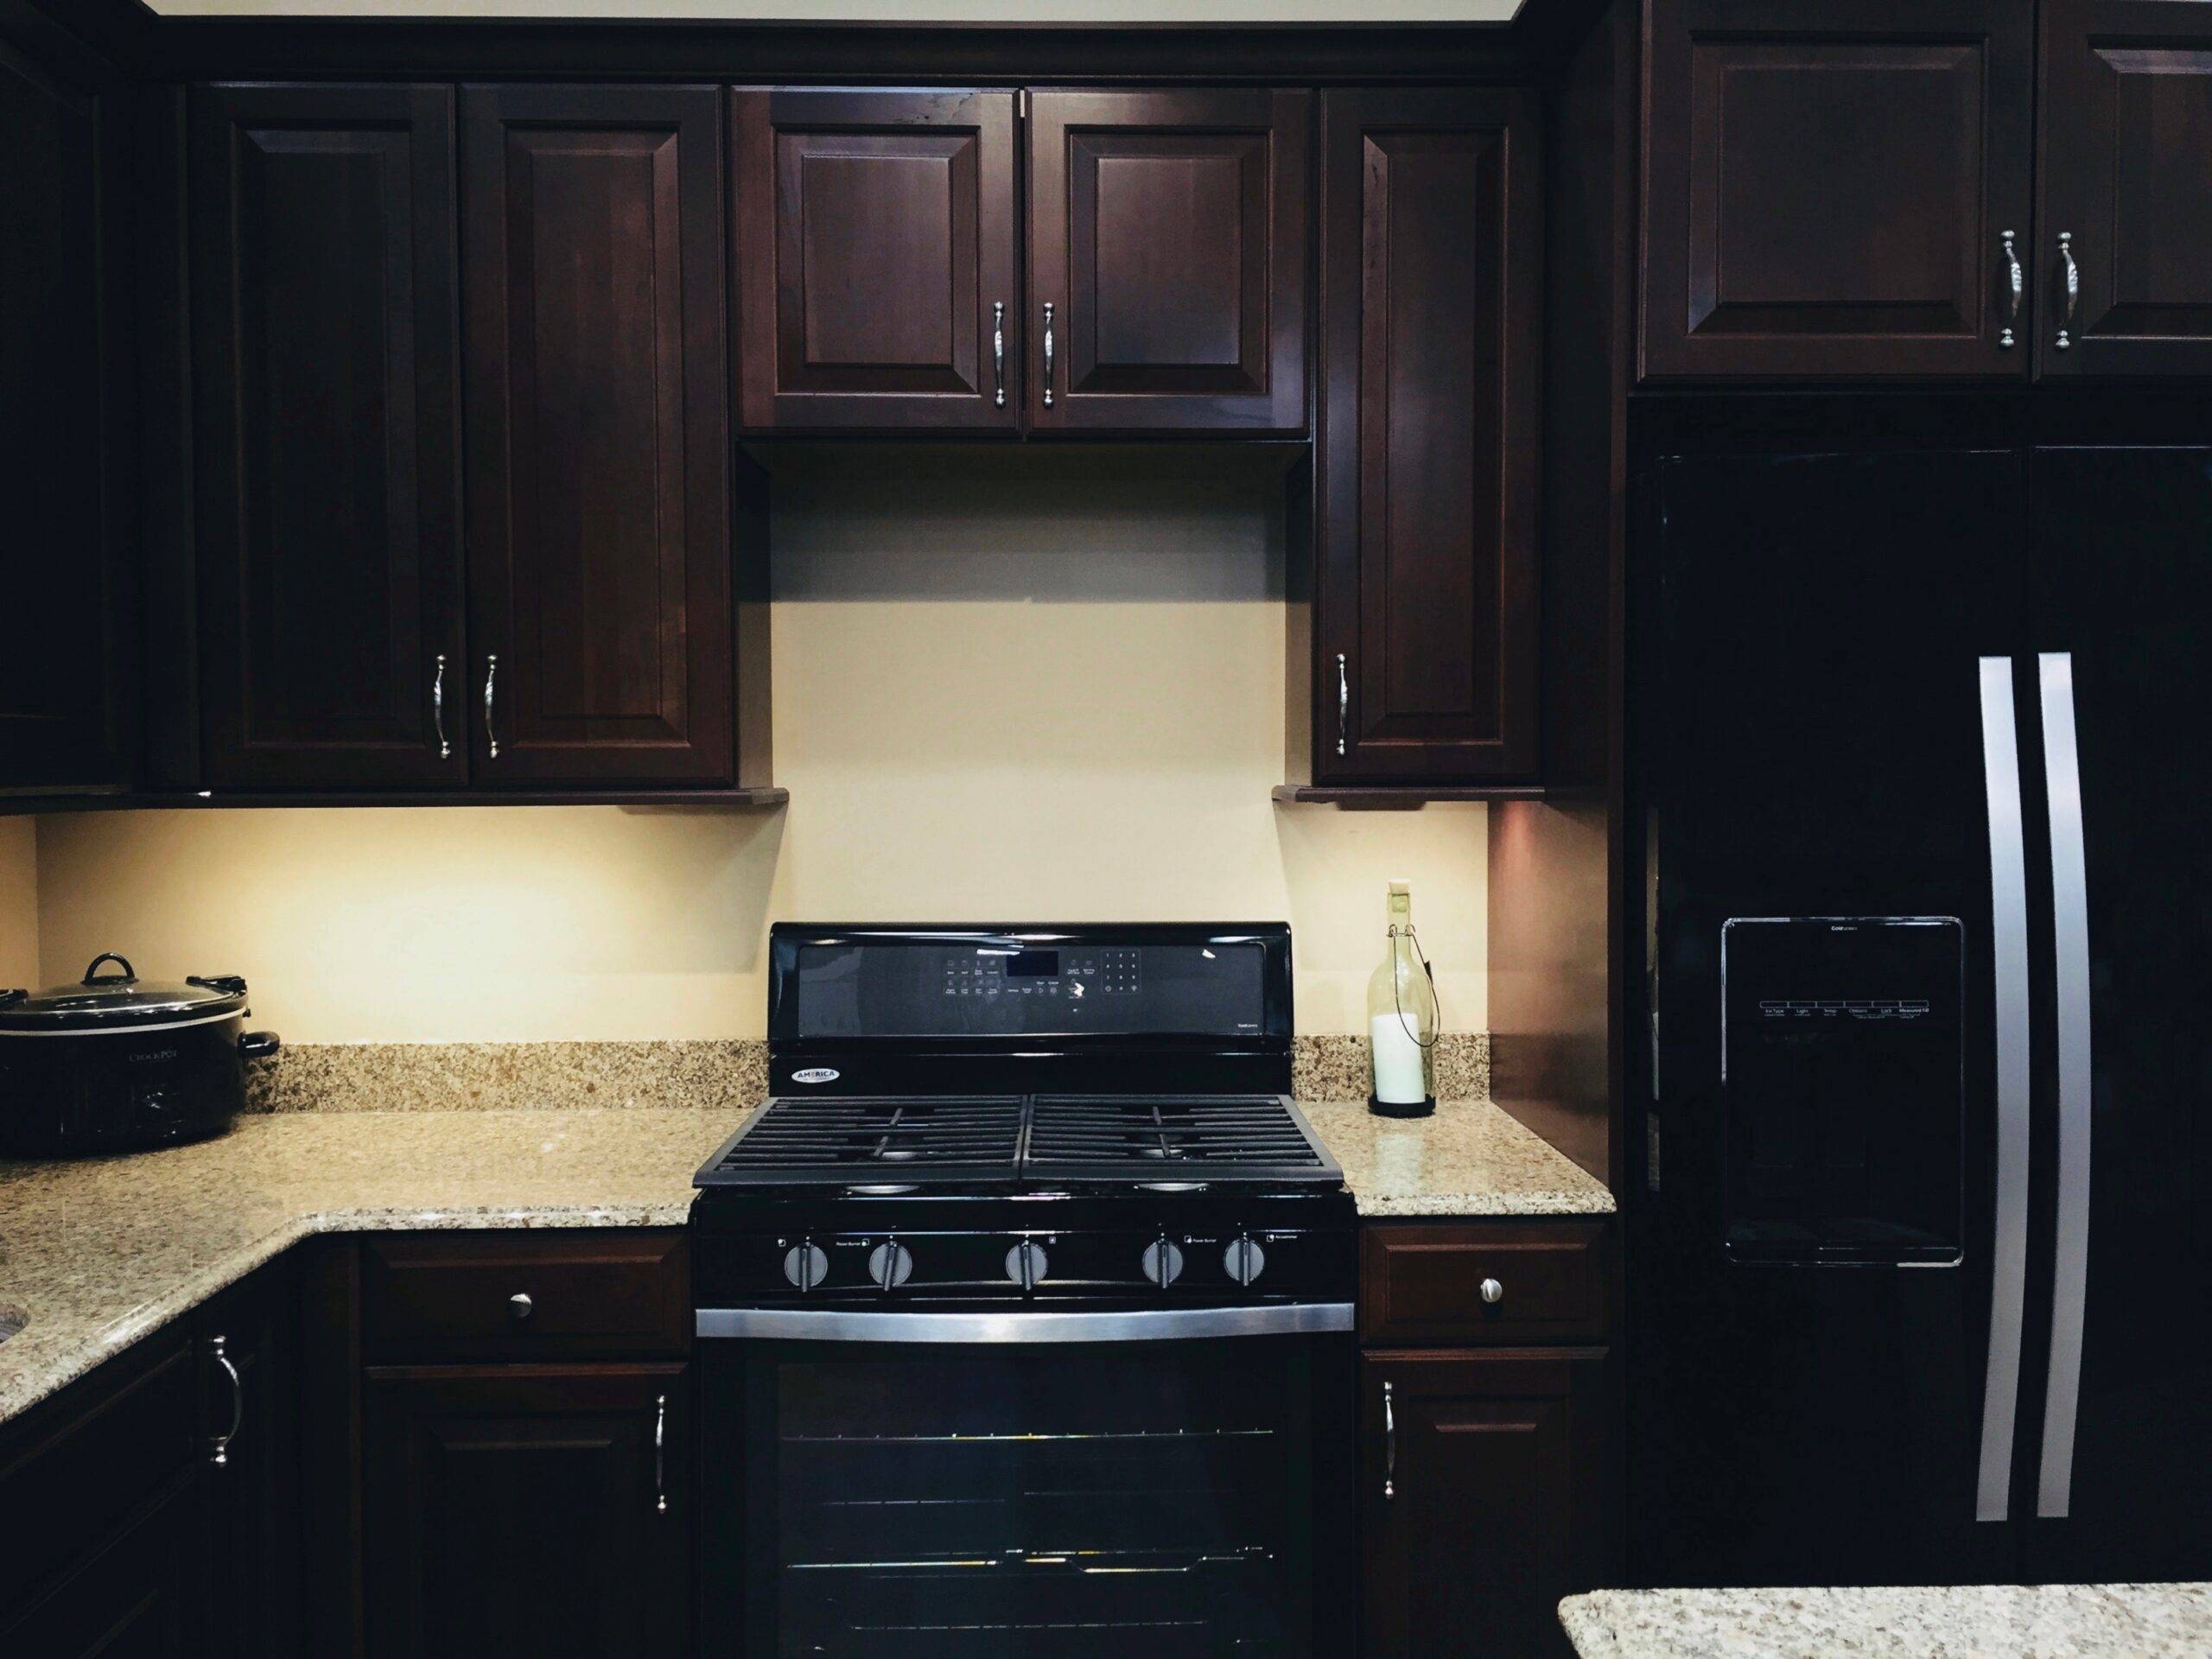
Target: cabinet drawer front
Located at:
point(453, 1296)
point(1424, 1284)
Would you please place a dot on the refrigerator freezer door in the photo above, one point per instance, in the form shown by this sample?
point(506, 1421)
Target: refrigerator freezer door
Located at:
point(2122, 585)
point(1811, 743)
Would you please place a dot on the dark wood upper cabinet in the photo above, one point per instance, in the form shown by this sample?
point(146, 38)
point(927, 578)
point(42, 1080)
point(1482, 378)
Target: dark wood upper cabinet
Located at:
point(1482, 1499)
point(876, 281)
point(1167, 235)
point(1828, 184)
point(328, 451)
point(600, 589)
point(1423, 639)
point(529, 1510)
point(67, 659)
point(2126, 158)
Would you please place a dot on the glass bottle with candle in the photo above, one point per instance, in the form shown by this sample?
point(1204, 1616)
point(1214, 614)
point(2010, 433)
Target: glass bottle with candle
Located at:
point(1402, 1018)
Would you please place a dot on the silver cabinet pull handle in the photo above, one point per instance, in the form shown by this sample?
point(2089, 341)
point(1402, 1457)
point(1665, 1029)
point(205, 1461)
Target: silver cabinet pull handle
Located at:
point(1389, 1443)
point(1343, 703)
point(2069, 907)
point(2073, 288)
point(438, 707)
point(1493, 1293)
point(998, 353)
point(491, 679)
point(1048, 354)
point(2008, 904)
point(2016, 290)
point(219, 1446)
point(660, 1455)
point(519, 1307)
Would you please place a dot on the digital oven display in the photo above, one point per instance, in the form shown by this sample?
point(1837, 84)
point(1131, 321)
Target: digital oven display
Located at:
point(1033, 964)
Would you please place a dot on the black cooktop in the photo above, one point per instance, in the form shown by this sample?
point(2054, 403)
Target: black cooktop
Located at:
point(1022, 1141)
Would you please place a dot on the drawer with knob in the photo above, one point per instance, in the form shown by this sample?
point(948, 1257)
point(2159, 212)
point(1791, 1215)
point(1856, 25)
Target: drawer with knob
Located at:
point(614, 1293)
point(1426, 1284)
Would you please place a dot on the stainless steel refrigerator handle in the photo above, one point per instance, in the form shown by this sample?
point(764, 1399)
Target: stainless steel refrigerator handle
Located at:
point(2008, 895)
point(1027, 1325)
point(2069, 908)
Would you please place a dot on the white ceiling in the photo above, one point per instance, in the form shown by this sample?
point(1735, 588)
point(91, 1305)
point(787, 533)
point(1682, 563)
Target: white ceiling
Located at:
point(878, 11)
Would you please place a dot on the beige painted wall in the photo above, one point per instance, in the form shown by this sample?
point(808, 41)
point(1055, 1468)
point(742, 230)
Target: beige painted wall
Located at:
point(19, 964)
point(1026, 684)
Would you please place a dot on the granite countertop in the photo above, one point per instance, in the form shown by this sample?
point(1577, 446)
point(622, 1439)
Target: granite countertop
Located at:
point(97, 1253)
point(1470, 1158)
point(2059, 1621)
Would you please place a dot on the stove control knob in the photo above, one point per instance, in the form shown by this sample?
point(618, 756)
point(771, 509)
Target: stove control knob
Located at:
point(890, 1265)
point(1244, 1260)
point(1026, 1264)
point(805, 1264)
point(1163, 1263)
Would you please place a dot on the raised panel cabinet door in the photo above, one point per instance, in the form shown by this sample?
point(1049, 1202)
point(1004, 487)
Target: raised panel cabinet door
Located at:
point(137, 1596)
point(875, 259)
point(1829, 186)
point(64, 643)
point(519, 1510)
point(1425, 635)
point(2125, 174)
point(246, 1347)
point(1167, 238)
point(598, 500)
point(1482, 1498)
point(327, 442)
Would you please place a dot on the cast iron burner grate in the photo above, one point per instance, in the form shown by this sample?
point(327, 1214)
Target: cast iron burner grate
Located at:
point(1166, 1137)
point(940, 1134)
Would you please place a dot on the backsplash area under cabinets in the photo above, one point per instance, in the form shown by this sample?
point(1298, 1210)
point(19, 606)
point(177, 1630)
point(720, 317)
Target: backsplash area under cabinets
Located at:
point(523, 1076)
point(1009, 684)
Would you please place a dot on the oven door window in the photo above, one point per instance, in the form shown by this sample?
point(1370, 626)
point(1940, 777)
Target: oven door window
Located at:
point(1156, 1499)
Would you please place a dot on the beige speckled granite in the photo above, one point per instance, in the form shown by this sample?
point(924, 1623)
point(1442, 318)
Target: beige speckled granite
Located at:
point(2099, 1621)
point(97, 1252)
point(1337, 1068)
point(1469, 1158)
point(516, 1076)
point(508, 1076)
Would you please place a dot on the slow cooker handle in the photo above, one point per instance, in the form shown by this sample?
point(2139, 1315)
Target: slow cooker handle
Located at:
point(94, 976)
point(257, 1044)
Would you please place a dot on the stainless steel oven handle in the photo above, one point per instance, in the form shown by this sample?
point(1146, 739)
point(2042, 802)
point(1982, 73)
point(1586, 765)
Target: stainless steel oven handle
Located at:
point(1025, 1325)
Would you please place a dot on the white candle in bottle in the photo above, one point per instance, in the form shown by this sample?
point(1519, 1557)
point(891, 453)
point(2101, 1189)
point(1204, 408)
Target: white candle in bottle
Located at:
point(1402, 1011)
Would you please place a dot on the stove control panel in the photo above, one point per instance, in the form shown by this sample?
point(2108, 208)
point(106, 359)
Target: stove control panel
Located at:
point(830, 984)
point(1171, 1262)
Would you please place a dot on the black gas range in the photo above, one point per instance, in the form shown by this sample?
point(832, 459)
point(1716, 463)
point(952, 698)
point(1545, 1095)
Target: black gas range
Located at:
point(1024, 1303)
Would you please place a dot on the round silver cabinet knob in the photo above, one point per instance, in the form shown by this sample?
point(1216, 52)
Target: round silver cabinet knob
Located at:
point(805, 1265)
point(519, 1307)
point(890, 1265)
point(1163, 1262)
point(1026, 1264)
point(1492, 1291)
point(1244, 1260)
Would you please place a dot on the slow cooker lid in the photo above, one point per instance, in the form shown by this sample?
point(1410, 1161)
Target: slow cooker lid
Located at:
point(118, 1000)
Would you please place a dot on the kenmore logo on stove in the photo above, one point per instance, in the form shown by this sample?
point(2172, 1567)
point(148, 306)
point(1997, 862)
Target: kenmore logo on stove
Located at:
point(815, 1074)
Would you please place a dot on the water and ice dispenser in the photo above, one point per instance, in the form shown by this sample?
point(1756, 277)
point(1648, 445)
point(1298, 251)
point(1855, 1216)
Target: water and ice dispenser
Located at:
point(1844, 1086)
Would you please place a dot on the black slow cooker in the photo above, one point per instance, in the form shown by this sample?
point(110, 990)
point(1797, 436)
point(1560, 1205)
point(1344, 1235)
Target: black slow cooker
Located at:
point(114, 1062)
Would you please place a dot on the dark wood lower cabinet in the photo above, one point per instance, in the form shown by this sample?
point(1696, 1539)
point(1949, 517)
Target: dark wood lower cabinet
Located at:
point(245, 1346)
point(528, 1510)
point(138, 1596)
point(1482, 1498)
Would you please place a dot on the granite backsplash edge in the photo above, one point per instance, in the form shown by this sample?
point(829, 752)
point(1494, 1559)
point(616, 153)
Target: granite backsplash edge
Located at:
point(510, 1077)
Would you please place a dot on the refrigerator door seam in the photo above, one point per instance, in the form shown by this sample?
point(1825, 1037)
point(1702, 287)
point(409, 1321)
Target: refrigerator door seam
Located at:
point(2008, 885)
point(2069, 898)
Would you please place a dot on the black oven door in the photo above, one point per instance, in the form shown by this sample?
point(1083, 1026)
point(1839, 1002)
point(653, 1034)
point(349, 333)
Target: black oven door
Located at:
point(956, 1499)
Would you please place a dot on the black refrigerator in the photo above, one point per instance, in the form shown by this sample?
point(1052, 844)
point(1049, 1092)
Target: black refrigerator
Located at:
point(1921, 1226)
